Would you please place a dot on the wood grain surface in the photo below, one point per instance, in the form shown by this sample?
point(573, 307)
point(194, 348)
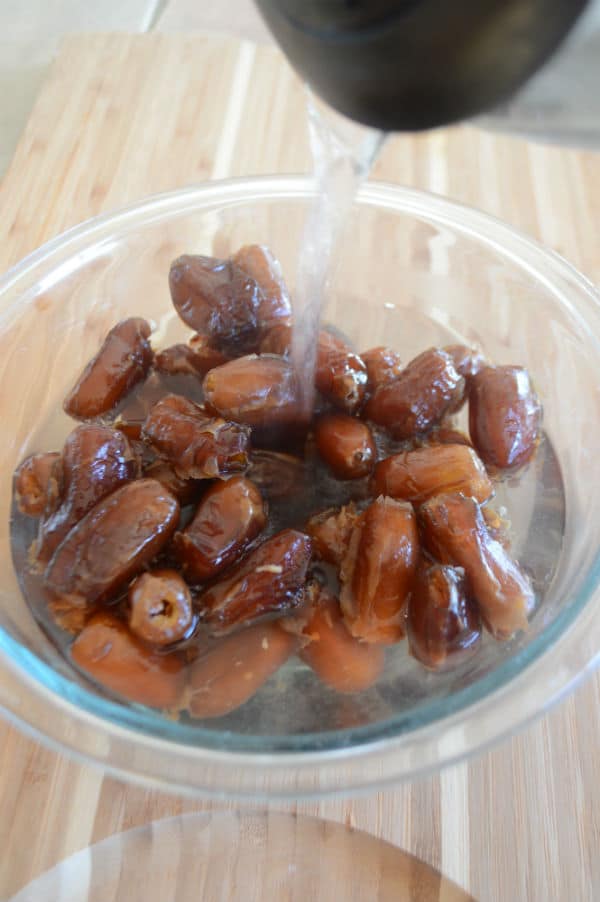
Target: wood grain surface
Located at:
point(122, 117)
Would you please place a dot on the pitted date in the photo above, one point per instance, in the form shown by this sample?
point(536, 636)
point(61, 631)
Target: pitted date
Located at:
point(123, 360)
point(37, 483)
point(258, 262)
point(196, 445)
point(346, 444)
point(432, 470)
point(230, 515)
point(160, 607)
point(454, 530)
point(427, 389)
point(504, 416)
point(113, 542)
point(443, 624)
point(260, 392)
point(96, 460)
point(231, 672)
point(341, 375)
point(378, 571)
point(340, 661)
point(218, 299)
point(330, 532)
point(271, 580)
point(107, 651)
point(383, 366)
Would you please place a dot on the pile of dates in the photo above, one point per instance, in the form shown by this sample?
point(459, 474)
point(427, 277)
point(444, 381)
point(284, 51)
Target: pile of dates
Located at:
point(189, 557)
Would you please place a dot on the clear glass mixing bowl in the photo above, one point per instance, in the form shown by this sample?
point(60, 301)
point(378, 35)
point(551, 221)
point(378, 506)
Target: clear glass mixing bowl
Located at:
point(414, 270)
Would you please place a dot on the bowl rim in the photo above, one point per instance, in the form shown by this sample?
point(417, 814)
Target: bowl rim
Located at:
point(34, 679)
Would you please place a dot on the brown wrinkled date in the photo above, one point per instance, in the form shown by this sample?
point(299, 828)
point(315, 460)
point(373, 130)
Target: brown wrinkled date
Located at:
point(383, 366)
point(185, 490)
point(467, 361)
point(37, 483)
point(442, 622)
point(95, 460)
point(260, 392)
point(160, 607)
point(504, 416)
point(108, 652)
point(417, 475)
point(427, 389)
point(123, 360)
point(271, 580)
point(340, 661)
point(182, 360)
point(212, 526)
point(341, 376)
point(196, 445)
point(113, 542)
point(230, 515)
point(234, 670)
point(205, 356)
point(259, 263)
point(218, 299)
point(454, 530)
point(378, 571)
point(277, 340)
point(346, 445)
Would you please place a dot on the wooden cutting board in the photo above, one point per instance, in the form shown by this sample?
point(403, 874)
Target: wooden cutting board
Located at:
point(121, 117)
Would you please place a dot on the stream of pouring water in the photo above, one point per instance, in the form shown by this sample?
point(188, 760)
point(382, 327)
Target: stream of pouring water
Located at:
point(343, 155)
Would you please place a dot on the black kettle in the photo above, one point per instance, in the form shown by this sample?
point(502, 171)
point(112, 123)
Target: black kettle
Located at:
point(405, 65)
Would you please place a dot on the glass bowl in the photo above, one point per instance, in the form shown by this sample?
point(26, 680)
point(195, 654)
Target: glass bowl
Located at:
point(414, 270)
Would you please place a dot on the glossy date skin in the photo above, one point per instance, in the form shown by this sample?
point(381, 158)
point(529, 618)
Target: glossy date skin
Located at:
point(206, 356)
point(378, 570)
point(277, 340)
point(505, 416)
point(95, 461)
point(229, 517)
point(113, 542)
point(260, 392)
point(182, 360)
point(454, 530)
point(160, 607)
point(341, 376)
point(236, 667)
point(346, 444)
point(37, 483)
point(218, 299)
point(185, 490)
point(443, 624)
point(196, 445)
point(121, 363)
point(107, 652)
point(271, 580)
point(339, 660)
point(427, 389)
point(417, 475)
point(259, 262)
point(467, 361)
point(383, 365)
